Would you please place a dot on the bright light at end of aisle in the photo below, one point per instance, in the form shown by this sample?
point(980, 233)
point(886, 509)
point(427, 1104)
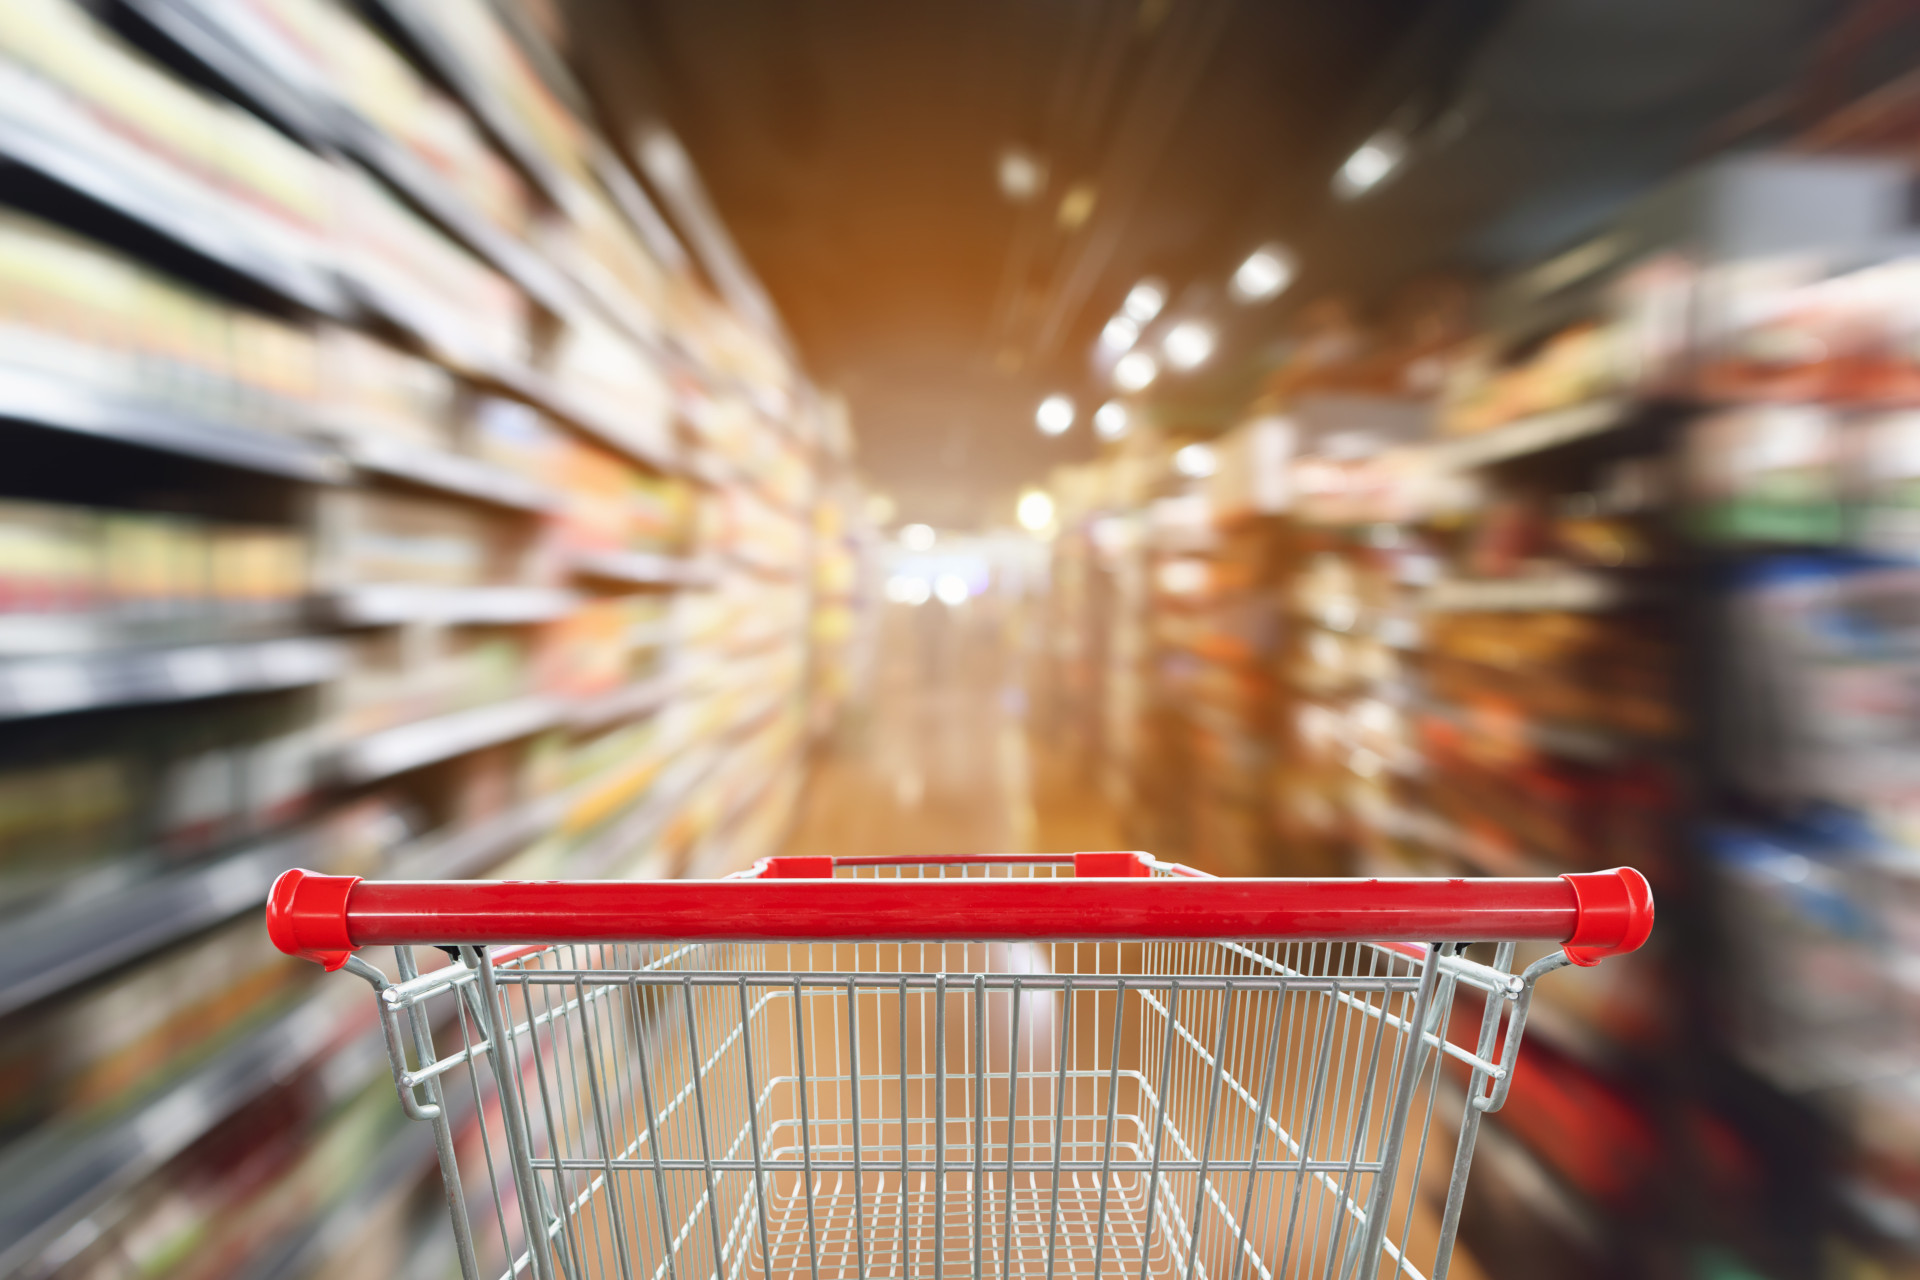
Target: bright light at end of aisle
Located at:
point(952, 589)
point(1195, 461)
point(1120, 334)
point(1144, 301)
point(1054, 415)
point(1035, 510)
point(917, 537)
point(1370, 165)
point(906, 589)
point(1110, 420)
point(1135, 371)
point(1188, 344)
point(1267, 271)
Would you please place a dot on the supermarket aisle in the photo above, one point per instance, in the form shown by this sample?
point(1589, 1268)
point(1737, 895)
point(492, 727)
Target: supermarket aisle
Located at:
point(940, 759)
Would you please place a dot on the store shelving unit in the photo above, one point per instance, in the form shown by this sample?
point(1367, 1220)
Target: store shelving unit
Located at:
point(59, 1177)
point(73, 940)
point(587, 640)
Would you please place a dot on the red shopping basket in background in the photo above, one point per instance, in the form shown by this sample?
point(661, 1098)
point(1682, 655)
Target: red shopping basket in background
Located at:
point(1000, 1066)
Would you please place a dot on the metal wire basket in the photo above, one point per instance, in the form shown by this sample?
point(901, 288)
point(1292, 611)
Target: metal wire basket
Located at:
point(1126, 1069)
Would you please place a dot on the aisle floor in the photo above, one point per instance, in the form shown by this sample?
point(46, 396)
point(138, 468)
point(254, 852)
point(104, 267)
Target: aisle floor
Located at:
point(937, 756)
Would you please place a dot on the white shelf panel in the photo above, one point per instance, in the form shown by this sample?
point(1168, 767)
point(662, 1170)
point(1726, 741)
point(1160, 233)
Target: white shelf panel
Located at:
point(1534, 434)
point(412, 746)
point(46, 686)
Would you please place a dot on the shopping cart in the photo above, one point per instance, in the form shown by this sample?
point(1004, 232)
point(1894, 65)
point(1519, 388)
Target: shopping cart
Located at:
point(836, 1068)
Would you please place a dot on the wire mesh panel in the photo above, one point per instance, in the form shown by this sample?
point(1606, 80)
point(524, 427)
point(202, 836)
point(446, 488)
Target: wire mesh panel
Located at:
point(1199, 1109)
point(1190, 1110)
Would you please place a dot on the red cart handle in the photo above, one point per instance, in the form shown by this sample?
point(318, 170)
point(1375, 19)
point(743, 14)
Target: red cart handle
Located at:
point(325, 918)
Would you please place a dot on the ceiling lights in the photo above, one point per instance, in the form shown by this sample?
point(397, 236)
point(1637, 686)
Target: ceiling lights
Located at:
point(1188, 344)
point(1120, 334)
point(1135, 371)
point(1267, 271)
point(917, 537)
point(1195, 461)
point(1035, 510)
point(1054, 415)
point(1370, 165)
point(1110, 420)
point(1144, 301)
point(1022, 174)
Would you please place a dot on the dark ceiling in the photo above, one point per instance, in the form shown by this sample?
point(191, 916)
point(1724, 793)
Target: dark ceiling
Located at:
point(851, 149)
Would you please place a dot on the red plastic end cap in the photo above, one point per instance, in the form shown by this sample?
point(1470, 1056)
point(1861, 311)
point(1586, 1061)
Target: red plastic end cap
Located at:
point(798, 867)
point(1614, 914)
point(307, 916)
point(1108, 864)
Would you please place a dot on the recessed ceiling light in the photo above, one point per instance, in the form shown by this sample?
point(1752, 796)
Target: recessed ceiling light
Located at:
point(917, 537)
point(1188, 344)
point(1144, 301)
point(1370, 164)
point(1035, 510)
point(1110, 420)
point(1054, 415)
point(1120, 334)
point(1134, 371)
point(1267, 271)
point(1195, 461)
point(1021, 174)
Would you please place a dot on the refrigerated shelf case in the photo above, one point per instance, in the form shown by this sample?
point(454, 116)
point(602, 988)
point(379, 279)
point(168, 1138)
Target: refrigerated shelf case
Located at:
point(477, 684)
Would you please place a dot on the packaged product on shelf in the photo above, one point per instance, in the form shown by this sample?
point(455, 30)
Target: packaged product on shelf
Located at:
point(340, 54)
point(203, 142)
point(1770, 330)
point(373, 537)
point(62, 818)
point(1769, 473)
point(598, 515)
point(1814, 970)
point(155, 566)
point(598, 247)
point(519, 438)
point(49, 559)
point(1613, 673)
point(358, 837)
point(259, 574)
point(278, 777)
point(394, 678)
point(607, 372)
point(200, 800)
point(1817, 691)
point(587, 652)
point(374, 391)
point(1541, 812)
point(473, 33)
point(463, 310)
point(1578, 364)
point(662, 509)
point(77, 311)
point(136, 573)
point(1883, 457)
point(119, 1041)
point(487, 786)
point(262, 1172)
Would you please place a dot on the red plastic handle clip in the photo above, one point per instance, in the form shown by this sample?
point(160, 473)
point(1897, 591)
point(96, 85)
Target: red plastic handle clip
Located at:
point(307, 916)
point(1615, 914)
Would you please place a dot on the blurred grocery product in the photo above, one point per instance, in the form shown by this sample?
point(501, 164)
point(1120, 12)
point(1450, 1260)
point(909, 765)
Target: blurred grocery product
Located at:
point(410, 506)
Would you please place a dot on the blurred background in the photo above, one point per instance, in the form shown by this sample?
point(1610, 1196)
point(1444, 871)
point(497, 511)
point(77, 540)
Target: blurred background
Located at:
point(630, 438)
